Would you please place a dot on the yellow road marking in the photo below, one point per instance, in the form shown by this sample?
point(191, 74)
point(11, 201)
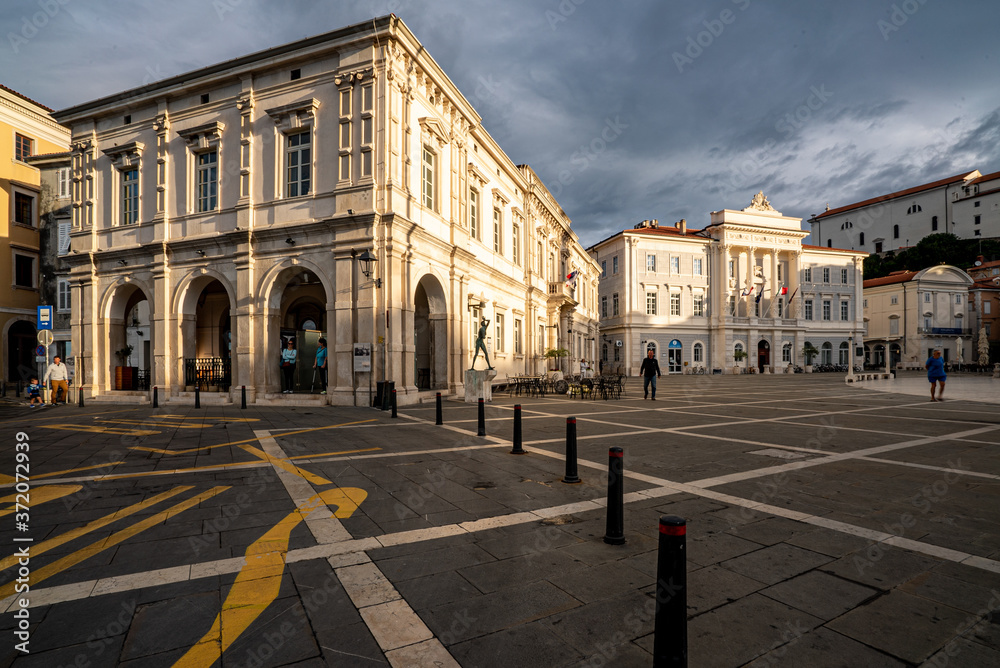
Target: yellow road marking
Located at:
point(73, 534)
point(177, 421)
point(40, 495)
point(248, 440)
point(60, 417)
point(282, 464)
point(82, 468)
point(259, 581)
point(97, 429)
point(330, 454)
point(85, 553)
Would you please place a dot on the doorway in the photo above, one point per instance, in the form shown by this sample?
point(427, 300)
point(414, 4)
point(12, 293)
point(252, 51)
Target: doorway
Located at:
point(763, 355)
point(674, 353)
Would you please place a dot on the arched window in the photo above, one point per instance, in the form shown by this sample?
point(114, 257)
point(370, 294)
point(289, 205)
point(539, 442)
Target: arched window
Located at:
point(651, 346)
point(933, 223)
point(604, 352)
point(861, 239)
point(916, 208)
point(843, 353)
point(737, 348)
point(698, 352)
point(895, 231)
point(826, 353)
point(786, 353)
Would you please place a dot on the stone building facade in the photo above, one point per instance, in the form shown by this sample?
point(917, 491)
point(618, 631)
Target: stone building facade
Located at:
point(238, 200)
point(743, 283)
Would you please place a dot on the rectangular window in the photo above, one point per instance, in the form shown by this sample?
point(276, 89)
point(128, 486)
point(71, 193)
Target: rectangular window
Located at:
point(367, 98)
point(517, 337)
point(366, 162)
point(650, 303)
point(604, 306)
point(22, 147)
point(843, 276)
point(844, 311)
point(64, 240)
point(786, 353)
point(345, 102)
point(541, 339)
point(779, 273)
point(24, 271)
point(809, 309)
point(826, 309)
point(345, 136)
point(826, 274)
point(497, 238)
point(894, 326)
point(62, 182)
point(894, 300)
point(651, 263)
point(63, 302)
point(474, 214)
point(986, 308)
point(699, 305)
point(499, 346)
point(614, 304)
point(865, 304)
point(732, 269)
point(927, 298)
point(345, 167)
point(807, 275)
point(515, 239)
point(698, 353)
point(298, 159)
point(614, 265)
point(24, 209)
point(675, 265)
point(696, 266)
point(977, 220)
point(781, 307)
point(604, 268)
point(208, 181)
point(427, 178)
point(675, 304)
point(958, 300)
point(367, 125)
point(541, 263)
point(732, 305)
point(130, 196)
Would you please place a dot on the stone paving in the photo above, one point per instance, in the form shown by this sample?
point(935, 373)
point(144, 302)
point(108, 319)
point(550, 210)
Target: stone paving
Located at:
point(827, 526)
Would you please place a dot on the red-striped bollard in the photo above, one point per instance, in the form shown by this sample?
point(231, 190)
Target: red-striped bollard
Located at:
point(615, 531)
point(670, 627)
point(571, 476)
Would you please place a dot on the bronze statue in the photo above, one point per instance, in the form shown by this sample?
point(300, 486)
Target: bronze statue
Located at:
point(481, 345)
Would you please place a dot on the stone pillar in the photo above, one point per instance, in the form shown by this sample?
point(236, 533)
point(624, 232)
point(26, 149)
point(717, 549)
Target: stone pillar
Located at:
point(344, 333)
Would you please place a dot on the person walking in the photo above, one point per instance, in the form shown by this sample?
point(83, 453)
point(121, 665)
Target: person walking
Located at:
point(320, 364)
point(936, 374)
point(58, 375)
point(650, 371)
point(288, 357)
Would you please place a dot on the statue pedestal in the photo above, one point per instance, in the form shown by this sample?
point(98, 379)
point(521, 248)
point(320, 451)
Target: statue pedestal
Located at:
point(479, 384)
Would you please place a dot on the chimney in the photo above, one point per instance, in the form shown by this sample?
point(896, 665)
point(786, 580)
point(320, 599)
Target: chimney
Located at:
point(683, 226)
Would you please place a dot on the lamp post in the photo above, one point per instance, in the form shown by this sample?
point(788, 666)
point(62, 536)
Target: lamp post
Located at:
point(367, 260)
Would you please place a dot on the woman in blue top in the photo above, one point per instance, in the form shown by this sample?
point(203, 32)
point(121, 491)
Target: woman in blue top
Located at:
point(288, 356)
point(320, 364)
point(936, 374)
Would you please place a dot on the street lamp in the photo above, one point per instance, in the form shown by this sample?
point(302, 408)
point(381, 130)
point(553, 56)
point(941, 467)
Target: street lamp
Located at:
point(368, 261)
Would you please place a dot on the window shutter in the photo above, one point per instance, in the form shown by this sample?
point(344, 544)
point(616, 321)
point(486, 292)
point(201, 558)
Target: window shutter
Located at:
point(63, 238)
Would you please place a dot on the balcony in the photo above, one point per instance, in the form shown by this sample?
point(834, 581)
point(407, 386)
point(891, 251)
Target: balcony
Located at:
point(561, 294)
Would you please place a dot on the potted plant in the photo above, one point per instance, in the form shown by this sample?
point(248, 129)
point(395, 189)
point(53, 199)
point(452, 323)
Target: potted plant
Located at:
point(125, 375)
point(555, 354)
point(809, 351)
point(739, 356)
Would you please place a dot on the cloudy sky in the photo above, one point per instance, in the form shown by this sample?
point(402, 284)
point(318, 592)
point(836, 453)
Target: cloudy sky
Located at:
point(628, 110)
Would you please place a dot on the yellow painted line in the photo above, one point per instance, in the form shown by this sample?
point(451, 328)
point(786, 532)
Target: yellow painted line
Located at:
point(330, 454)
point(35, 418)
point(282, 464)
point(248, 440)
point(97, 429)
point(40, 495)
point(82, 468)
point(259, 581)
point(70, 560)
point(193, 469)
point(73, 534)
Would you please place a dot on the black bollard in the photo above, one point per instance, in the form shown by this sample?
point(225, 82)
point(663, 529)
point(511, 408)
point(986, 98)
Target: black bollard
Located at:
point(394, 402)
point(156, 397)
point(670, 627)
point(17, 392)
point(517, 449)
point(571, 475)
point(482, 418)
point(79, 397)
point(243, 397)
point(438, 415)
point(197, 396)
point(614, 534)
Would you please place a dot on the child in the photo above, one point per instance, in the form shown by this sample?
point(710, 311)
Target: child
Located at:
point(35, 393)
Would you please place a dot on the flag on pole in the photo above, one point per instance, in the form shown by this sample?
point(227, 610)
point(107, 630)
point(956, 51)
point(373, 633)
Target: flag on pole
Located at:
point(760, 293)
point(784, 290)
point(571, 278)
point(748, 290)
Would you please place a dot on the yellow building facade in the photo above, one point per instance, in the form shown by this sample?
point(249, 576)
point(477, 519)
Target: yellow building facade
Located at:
point(26, 129)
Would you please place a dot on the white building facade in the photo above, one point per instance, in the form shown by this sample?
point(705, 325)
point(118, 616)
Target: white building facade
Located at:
point(743, 283)
point(967, 205)
point(237, 200)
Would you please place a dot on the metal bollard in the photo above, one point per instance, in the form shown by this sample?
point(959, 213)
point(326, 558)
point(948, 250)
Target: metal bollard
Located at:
point(614, 534)
point(670, 627)
point(482, 418)
point(243, 397)
point(394, 402)
point(156, 397)
point(79, 397)
point(17, 393)
point(517, 449)
point(197, 396)
point(571, 476)
point(438, 415)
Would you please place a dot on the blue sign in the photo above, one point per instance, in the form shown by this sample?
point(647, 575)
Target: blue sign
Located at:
point(954, 331)
point(674, 344)
point(44, 317)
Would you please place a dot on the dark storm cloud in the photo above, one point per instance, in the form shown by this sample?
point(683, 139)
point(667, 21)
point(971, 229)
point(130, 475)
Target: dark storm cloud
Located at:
point(632, 110)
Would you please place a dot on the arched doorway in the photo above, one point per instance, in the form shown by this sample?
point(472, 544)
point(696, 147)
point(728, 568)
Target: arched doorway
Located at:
point(21, 343)
point(895, 355)
point(763, 355)
point(430, 335)
point(207, 336)
point(674, 352)
point(129, 340)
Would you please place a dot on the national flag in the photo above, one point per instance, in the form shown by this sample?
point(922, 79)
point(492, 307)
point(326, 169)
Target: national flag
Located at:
point(784, 290)
point(746, 291)
point(760, 293)
point(793, 296)
point(571, 278)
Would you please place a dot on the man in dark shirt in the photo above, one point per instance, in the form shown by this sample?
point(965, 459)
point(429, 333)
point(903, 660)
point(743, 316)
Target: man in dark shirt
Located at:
point(650, 371)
